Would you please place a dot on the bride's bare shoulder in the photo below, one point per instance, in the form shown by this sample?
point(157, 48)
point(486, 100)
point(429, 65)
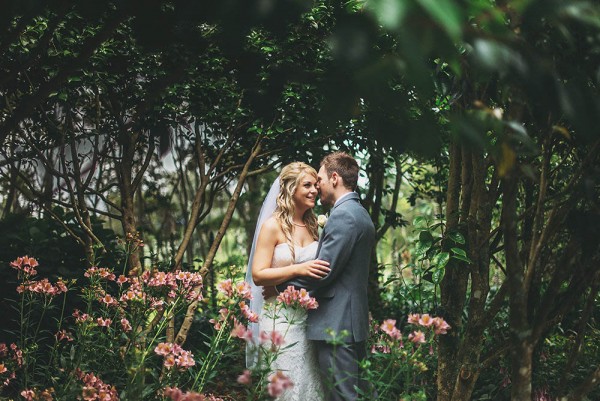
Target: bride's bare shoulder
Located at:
point(271, 226)
point(271, 232)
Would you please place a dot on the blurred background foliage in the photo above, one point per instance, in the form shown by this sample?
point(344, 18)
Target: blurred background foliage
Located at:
point(475, 124)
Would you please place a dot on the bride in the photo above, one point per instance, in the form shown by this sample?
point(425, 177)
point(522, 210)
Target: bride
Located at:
point(285, 248)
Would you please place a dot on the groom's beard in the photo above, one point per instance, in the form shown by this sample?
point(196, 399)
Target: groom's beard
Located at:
point(326, 201)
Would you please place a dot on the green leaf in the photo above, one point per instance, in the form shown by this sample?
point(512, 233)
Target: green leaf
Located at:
point(463, 258)
point(422, 248)
point(418, 221)
point(425, 236)
point(437, 276)
point(445, 13)
point(458, 251)
point(391, 280)
point(457, 237)
point(436, 225)
point(441, 259)
point(389, 13)
point(583, 11)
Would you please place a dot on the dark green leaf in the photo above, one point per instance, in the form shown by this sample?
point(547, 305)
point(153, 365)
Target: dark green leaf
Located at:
point(459, 251)
point(457, 237)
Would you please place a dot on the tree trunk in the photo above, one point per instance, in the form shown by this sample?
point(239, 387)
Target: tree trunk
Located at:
point(374, 204)
point(478, 225)
point(252, 209)
point(451, 288)
point(125, 169)
point(520, 331)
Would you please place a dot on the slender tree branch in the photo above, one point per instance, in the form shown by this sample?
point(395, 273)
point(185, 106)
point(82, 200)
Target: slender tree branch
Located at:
point(186, 325)
point(140, 174)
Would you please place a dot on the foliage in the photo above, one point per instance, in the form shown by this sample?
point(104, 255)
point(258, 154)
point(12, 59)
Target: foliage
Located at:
point(398, 364)
point(114, 343)
point(501, 97)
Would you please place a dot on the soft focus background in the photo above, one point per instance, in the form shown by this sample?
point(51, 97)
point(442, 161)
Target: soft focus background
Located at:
point(475, 124)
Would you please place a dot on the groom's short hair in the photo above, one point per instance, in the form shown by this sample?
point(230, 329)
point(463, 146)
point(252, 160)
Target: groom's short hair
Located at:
point(343, 164)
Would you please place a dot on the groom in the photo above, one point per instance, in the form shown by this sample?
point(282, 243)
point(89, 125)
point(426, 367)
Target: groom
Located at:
point(346, 243)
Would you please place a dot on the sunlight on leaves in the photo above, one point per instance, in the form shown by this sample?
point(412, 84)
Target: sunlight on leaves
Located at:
point(507, 160)
point(446, 13)
point(389, 13)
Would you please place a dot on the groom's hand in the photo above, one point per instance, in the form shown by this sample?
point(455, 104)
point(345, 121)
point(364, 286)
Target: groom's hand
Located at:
point(269, 291)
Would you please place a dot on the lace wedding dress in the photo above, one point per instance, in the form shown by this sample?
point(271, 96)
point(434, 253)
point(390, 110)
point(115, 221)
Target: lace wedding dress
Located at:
point(298, 361)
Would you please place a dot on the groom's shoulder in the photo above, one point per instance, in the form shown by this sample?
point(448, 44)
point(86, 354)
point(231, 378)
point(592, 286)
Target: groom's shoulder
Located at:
point(359, 213)
point(352, 210)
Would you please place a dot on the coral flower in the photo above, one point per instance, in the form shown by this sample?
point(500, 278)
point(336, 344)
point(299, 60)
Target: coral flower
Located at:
point(25, 264)
point(226, 287)
point(389, 327)
point(63, 335)
point(440, 326)
point(109, 300)
point(278, 383)
point(126, 325)
point(245, 378)
point(251, 316)
point(413, 318)
point(169, 361)
point(426, 320)
point(274, 337)
point(417, 337)
point(277, 338)
point(185, 360)
point(244, 289)
point(103, 322)
point(164, 348)
point(240, 331)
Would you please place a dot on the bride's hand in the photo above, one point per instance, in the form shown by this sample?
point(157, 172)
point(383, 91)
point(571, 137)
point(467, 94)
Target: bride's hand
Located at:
point(314, 268)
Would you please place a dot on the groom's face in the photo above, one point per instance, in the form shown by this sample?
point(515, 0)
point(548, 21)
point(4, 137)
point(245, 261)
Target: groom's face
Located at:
point(325, 187)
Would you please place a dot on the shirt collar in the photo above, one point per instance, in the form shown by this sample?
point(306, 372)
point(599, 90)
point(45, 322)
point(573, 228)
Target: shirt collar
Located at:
point(342, 197)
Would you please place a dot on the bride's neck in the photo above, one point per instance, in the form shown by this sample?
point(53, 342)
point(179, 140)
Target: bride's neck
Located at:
point(298, 216)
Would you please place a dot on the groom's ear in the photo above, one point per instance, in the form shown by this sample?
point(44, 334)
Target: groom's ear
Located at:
point(334, 179)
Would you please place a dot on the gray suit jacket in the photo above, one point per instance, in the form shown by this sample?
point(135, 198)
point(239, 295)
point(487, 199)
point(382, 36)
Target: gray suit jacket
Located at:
point(346, 243)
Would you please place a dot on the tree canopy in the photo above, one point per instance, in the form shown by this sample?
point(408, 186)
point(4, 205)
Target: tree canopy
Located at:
point(164, 121)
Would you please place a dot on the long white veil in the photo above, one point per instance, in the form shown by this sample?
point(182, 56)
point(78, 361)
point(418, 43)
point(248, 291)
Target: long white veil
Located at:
point(256, 303)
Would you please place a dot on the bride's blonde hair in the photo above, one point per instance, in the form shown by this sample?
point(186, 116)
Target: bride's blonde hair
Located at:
point(289, 179)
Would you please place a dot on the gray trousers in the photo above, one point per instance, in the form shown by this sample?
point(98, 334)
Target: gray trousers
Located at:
point(339, 366)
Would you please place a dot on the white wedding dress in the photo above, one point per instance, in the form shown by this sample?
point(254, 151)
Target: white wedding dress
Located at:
point(299, 361)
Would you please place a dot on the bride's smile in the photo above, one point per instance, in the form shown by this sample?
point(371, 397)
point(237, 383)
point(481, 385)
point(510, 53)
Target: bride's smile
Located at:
point(306, 194)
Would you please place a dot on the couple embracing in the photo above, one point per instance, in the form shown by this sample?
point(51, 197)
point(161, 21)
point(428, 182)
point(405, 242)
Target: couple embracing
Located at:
point(287, 250)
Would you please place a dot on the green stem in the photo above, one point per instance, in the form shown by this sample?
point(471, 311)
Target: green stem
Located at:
point(159, 329)
point(60, 320)
point(207, 361)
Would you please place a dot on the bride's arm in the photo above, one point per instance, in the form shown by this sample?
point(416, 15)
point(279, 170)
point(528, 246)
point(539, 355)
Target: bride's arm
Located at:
point(264, 275)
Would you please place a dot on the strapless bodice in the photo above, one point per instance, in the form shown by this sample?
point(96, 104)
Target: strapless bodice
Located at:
point(282, 255)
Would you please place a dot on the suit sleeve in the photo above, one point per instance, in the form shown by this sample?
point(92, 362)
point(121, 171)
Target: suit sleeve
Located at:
point(336, 246)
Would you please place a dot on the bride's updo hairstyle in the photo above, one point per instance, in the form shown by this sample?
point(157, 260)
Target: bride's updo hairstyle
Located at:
point(289, 179)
